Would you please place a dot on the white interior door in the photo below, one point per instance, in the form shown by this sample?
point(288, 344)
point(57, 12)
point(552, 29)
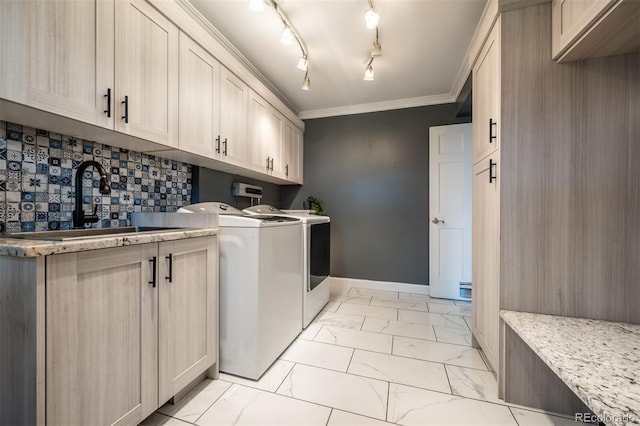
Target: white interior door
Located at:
point(450, 177)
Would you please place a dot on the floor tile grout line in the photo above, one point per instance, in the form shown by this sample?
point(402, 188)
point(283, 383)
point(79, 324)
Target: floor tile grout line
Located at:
point(514, 416)
point(316, 403)
point(214, 401)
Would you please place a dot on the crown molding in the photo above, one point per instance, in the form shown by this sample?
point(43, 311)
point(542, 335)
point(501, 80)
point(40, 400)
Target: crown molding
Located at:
point(444, 98)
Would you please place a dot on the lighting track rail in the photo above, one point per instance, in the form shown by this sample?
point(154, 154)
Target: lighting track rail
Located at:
point(372, 19)
point(289, 34)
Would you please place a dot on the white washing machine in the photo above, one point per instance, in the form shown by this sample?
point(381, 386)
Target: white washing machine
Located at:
point(316, 248)
point(260, 293)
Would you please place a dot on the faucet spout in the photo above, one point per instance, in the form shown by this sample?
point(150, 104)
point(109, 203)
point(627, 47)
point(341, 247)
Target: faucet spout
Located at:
point(79, 216)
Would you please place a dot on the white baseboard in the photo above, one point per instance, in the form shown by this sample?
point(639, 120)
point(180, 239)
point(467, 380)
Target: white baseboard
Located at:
point(342, 285)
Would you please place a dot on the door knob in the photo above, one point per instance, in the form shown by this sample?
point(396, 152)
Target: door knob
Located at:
point(437, 221)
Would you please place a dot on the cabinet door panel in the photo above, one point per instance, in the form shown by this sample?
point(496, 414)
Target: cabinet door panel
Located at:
point(233, 119)
point(146, 47)
point(60, 56)
point(292, 153)
point(266, 129)
point(486, 256)
point(199, 99)
point(486, 97)
point(188, 326)
point(101, 340)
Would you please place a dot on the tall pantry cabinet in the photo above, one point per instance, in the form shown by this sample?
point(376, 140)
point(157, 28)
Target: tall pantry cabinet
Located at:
point(486, 196)
point(555, 227)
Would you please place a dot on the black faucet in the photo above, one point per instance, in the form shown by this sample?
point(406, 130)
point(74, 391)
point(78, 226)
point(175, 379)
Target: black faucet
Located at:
point(79, 217)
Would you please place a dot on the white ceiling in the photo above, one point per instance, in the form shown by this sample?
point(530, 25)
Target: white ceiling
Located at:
point(424, 47)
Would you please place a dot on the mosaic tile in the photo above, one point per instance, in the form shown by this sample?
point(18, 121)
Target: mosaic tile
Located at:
point(37, 170)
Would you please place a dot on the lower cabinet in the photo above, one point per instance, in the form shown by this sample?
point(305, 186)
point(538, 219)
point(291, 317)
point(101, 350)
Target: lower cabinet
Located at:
point(127, 328)
point(101, 345)
point(188, 313)
point(486, 256)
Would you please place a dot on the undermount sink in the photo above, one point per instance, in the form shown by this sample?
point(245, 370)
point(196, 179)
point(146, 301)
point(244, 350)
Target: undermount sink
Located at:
point(77, 234)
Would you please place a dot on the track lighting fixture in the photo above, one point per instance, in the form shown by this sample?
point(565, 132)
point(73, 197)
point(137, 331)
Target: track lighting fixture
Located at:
point(303, 63)
point(371, 17)
point(288, 37)
point(256, 5)
point(306, 84)
point(368, 72)
point(376, 50)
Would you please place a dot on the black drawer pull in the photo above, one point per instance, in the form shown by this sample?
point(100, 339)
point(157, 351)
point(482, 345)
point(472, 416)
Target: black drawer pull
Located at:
point(125, 117)
point(108, 96)
point(492, 177)
point(153, 271)
point(491, 135)
point(169, 257)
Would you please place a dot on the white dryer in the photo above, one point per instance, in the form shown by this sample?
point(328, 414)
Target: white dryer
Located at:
point(316, 248)
point(260, 293)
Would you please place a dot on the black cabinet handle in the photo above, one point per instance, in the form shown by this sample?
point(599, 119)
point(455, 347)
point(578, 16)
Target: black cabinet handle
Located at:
point(218, 144)
point(125, 117)
point(169, 257)
point(108, 96)
point(224, 151)
point(492, 177)
point(286, 170)
point(491, 135)
point(271, 167)
point(268, 163)
point(153, 271)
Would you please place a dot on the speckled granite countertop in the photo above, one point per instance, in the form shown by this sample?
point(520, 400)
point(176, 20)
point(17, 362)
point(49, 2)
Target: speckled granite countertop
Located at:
point(31, 248)
point(598, 360)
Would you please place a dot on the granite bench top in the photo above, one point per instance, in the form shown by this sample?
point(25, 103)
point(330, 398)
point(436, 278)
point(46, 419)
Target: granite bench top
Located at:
point(32, 248)
point(598, 360)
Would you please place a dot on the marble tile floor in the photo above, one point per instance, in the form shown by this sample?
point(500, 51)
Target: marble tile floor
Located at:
point(371, 357)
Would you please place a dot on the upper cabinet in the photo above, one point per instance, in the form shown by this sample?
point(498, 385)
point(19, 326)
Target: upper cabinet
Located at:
point(486, 97)
point(213, 107)
point(265, 136)
point(292, 152)
point(63, 56)
point(146, 78)
point(58, 56)
point(199, 109)
point(144, 75)
point(593, 28)
point(234, 98)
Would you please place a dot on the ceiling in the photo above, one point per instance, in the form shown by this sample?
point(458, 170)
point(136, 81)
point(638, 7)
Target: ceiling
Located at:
point(423, 62)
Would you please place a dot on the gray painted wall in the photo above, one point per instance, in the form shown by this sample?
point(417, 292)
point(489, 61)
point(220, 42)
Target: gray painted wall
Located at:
point(212, 185)
point(371, 170)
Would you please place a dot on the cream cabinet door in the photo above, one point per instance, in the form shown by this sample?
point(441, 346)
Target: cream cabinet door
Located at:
point(266, 127)
point(486, 97)
point(101, 338)
point(146, 73)
point(486, 255)
point(293, 153)
point(188, 323)
point(57, 55)
point(233, 119)
point(199, 100)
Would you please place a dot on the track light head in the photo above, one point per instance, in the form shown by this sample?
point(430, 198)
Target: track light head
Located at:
point(376, 50)
point(306, 84)
point(368, 73)
point(303, 63)
point(371, 18)
point(287, 36)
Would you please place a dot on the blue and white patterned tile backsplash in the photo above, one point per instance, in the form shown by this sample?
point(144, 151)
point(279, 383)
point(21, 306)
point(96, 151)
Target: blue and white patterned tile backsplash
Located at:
point(37, 171)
